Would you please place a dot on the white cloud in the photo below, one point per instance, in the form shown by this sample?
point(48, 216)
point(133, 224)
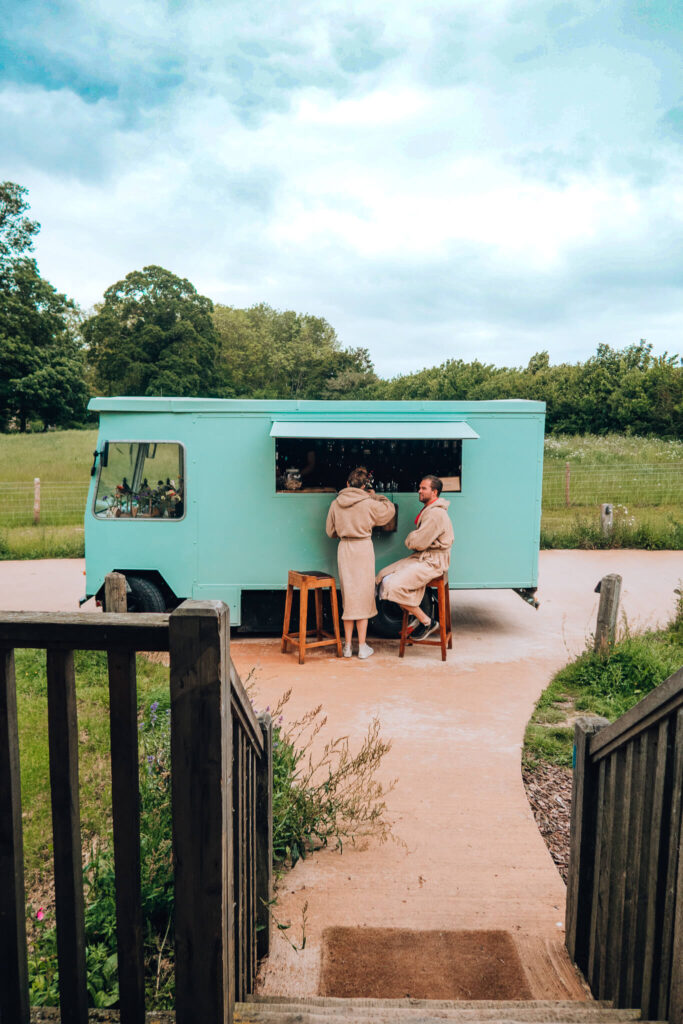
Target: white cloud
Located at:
point(436, 179)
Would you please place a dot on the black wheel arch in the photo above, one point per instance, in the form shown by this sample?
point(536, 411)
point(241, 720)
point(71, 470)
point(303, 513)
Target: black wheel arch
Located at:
point(152, 576)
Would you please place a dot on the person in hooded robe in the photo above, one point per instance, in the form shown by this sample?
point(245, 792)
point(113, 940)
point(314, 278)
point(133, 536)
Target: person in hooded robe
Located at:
point(352, 515)
point(404, 582)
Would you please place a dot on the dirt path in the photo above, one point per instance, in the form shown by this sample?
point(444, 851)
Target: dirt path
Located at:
point(472, 857)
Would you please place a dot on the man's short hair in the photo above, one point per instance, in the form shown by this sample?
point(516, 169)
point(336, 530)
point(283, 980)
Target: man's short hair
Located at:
point(358, 477)
point(434, 482)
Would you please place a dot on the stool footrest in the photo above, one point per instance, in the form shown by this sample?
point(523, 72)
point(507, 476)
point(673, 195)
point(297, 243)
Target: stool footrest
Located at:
point(445, 641)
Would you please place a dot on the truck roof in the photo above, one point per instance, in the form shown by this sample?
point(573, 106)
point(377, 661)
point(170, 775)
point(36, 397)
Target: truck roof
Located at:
point(268, 406)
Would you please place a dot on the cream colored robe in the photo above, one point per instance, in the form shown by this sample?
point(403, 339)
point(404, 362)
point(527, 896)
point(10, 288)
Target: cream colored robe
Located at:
point(431, 543)
point(351, 517)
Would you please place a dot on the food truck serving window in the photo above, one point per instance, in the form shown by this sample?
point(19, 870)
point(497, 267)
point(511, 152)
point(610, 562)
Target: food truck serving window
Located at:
point(140, 480)
point(317, 457)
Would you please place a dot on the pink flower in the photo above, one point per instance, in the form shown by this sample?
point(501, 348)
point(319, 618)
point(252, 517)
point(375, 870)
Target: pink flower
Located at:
point(40, 915)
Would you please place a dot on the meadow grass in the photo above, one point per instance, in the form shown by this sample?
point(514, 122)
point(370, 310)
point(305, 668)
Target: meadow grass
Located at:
point(611, 449)
point(601, 684)
point(92, 696)
point(29, 542)
point(59, 455)
point(657, 528)
point(642, 475)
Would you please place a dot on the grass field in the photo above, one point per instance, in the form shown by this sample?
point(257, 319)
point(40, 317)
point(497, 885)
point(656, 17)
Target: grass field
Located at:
point(93, 748)
point(643, 477)
point(604, 685)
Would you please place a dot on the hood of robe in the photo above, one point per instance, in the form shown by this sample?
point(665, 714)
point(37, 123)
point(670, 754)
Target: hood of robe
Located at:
point(350, 496)
point(439, 503)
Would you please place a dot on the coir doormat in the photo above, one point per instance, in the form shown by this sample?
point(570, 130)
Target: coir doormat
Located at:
point(396, 963)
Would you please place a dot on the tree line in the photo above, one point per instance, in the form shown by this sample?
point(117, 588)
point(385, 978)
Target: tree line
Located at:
point(154, 334)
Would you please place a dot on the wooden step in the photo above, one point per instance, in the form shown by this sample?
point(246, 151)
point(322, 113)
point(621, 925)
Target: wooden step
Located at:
point(326, 1010)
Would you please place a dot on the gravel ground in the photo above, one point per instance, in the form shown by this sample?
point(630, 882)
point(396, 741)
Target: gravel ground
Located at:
point(549, 791)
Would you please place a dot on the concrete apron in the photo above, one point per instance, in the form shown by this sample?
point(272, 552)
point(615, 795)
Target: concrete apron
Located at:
point(468, 854)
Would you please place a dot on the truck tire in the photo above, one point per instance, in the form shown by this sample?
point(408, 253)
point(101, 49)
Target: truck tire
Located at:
point(143, 596)
point(389, 616)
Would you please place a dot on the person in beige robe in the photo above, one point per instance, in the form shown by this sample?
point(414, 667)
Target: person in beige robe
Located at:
point(351, 517)
point(405, 581)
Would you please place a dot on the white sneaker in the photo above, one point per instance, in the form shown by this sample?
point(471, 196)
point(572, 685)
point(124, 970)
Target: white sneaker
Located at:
point(347, 650)
point(365, 651)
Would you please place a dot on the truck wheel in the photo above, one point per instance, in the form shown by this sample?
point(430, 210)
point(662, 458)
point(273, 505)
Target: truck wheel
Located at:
point(389, 616)
point(143, 596)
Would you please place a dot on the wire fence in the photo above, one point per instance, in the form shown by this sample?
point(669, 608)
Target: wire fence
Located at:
point(62, 503)
point(644, 485)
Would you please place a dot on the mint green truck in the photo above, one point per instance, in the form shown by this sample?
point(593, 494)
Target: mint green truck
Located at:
point(215, 498)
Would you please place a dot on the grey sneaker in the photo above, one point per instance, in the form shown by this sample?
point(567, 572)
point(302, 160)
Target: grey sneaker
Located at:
point(347, 650)
point(422, 632)
point(365, 651)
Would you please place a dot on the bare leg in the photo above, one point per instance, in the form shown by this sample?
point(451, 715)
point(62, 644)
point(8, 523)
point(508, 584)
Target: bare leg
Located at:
point(348, 630)
point(417, 612)
point(362, 627)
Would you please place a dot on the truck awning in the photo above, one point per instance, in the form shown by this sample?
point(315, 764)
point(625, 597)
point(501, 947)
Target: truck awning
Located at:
point(379, 430)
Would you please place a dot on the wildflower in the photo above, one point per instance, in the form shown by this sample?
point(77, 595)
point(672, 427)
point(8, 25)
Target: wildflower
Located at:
point(40, 915)
point(154, 706)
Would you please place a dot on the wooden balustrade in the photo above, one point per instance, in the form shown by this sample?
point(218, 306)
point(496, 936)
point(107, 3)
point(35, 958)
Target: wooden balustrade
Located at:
point(221, 778)
point(624, 925)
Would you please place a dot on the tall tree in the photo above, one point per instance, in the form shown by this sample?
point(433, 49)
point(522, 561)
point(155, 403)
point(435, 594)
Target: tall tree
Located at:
point(270, 353)
point(154, 335)
point(43, 371)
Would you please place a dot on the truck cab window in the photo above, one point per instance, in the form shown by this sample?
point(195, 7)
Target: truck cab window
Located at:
point(142, 480)
point(310, 465)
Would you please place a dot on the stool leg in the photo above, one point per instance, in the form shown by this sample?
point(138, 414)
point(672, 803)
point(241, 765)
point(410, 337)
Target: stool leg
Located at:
point(288, 615)
point(318, 595)
point(442, 619)
point(448, 613)
point(303, 621)
point(404, 633)
point(335, 619)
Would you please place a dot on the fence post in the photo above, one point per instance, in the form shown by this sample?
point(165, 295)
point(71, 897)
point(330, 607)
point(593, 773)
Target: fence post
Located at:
point(264, 837)
point(610, 591)
point(36, 500)
point(14, 1004)
point(201, 780)
point(115, 599)
point(567, 473)
point(582, 843)
point(676, 990)
point(606, 518)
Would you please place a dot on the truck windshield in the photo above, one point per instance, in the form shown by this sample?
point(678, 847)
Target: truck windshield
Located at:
point(142, 480)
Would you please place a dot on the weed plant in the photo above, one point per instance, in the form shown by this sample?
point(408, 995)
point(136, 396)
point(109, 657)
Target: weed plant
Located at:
point(601, 683)
point(324, 796)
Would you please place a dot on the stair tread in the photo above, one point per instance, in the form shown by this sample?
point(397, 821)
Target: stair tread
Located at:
point(323, 1009)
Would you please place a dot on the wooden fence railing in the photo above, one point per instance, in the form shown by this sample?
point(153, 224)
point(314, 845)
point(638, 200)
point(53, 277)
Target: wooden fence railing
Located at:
point(624, 923)
point(221, 780)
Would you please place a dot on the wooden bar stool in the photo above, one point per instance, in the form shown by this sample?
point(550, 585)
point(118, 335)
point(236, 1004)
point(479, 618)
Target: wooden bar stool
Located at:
point(445, 631)
point(317, 582)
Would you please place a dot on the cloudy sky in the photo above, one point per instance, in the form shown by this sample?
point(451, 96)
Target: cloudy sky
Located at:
point(437, 179)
